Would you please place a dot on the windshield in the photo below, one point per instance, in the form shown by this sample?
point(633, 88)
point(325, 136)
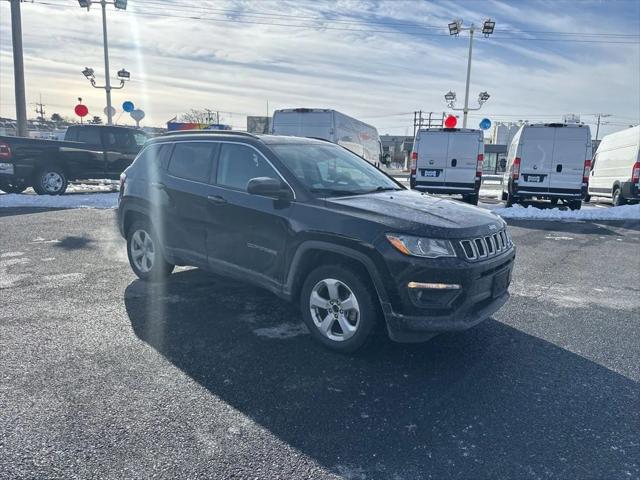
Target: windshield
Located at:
point(330, 170)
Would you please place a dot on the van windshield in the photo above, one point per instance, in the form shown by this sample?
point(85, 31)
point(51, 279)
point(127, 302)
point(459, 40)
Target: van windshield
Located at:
point(329, 170)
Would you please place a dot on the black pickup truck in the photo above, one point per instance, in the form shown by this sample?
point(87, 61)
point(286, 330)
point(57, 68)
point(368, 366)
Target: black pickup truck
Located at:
point(87, 151)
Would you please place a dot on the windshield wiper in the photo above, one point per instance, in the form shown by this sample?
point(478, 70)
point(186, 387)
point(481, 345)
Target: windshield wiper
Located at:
point(383, 189)
point(332, 191)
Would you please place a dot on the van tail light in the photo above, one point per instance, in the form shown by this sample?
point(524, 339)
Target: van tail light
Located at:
point(585, 172)
point(479, 165)
point(515, 169)
point(635, 173)
point(414, 162)
point(5, 151)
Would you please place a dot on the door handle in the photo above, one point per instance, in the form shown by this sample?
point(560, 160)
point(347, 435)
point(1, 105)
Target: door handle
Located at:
point(158, 185)
point(454, 162)
point(559, 168)
point(216, 199)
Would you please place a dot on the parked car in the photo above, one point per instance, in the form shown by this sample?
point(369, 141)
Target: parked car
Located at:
point(548, 161)
point(615, 172)
point(88, 151)
point(356, 136)
point(315, 224)
point(449, 161)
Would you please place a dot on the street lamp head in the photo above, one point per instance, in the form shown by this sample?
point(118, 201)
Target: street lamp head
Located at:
point(454, 27)
point(450, 96)
point(120, 4)
point(488, 27)
point(88, 72)
point(483, 97)
point(124, 75)
point(85, 3)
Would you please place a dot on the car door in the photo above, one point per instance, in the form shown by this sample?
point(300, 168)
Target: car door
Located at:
point(186, 185)
point(571, 149)
point(462, 159)
point(85, 159)
point(432, 158)
point(247, 233)
point(121, 147)
point(536, 157)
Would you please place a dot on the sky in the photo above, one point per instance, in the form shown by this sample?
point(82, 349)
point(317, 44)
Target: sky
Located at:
point(376, 60)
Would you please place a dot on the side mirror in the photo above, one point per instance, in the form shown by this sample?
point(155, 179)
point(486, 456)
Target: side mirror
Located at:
point(268, 187)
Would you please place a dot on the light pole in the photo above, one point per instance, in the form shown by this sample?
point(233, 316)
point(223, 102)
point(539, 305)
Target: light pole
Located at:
point(123, 75)
point(455, 28)
point(18, 68)
point(601, 115)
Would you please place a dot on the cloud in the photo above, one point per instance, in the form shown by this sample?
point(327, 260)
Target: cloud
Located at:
point(364, 58)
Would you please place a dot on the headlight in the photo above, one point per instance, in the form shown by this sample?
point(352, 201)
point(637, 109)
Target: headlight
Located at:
point(421, 247)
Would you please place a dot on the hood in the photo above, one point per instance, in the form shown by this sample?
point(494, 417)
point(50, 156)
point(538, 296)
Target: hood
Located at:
point(409, 211)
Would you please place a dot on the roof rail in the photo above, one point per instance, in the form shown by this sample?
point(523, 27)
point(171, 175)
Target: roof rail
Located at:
point(208, 132)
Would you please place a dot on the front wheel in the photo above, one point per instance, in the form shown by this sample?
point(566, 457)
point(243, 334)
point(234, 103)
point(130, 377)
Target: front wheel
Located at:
point(339, 308)
point(13, 186)
point(50, 181)
point(145, 253)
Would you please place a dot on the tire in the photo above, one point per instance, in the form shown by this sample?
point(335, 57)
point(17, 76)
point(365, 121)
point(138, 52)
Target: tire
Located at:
point(13, 186)
point(145, 253)
point(511, 200)
point(575, 204)
point(617, 197)
point(319, 307)
point(50, 181)
point(554, 202)
point(471, 199)
point(587, 198)
point(504, 196)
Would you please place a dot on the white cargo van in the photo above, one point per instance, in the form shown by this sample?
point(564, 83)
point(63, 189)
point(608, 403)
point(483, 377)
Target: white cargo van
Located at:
point(548, 161)
point(615, 172)
point(331, 125)
point(448, 160)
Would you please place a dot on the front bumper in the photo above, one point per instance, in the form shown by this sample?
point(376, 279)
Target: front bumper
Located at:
point(484, 290)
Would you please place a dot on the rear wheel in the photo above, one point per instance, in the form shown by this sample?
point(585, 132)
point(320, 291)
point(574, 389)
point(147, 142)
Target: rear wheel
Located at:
point(145, 252)
point(617, 197)
point(511, 200)
point(13, 186)
point(339, 308)
point(50, 181)
point(575, 204)
point(472, 199)
point(587, 198)
point(554, 202)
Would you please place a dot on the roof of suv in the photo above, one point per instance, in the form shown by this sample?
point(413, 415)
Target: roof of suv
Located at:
point(226, 134)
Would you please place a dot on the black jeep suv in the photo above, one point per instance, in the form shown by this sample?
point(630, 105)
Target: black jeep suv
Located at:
point(312, 222)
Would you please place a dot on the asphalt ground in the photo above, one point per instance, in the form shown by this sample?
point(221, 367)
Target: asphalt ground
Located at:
point(104, 376)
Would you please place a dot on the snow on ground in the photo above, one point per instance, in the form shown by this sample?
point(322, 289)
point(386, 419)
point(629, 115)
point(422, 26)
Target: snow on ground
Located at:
point(624, 212)
point(490, 193)
point(89, 200)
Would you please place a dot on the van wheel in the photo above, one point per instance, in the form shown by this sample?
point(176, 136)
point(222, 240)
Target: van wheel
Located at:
point(145, 253)
point(554, 202)
point(587, 198)
point(617, 197)
point(575, 204)
point(13, 186)
point(504, 196)
point(50, 181)
point(472, 199)
point(339, 308)
point(511, 200)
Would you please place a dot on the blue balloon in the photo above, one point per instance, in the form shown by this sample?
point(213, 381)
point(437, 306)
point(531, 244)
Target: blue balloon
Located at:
point(128, 106)
point(485, 124)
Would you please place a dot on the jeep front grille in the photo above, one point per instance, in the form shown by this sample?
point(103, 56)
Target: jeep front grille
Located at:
point(489, 246)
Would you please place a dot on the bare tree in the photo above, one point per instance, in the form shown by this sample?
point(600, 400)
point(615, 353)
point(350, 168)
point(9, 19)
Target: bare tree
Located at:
point(199, 116)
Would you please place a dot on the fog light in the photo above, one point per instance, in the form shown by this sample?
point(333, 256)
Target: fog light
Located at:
point(435, 286)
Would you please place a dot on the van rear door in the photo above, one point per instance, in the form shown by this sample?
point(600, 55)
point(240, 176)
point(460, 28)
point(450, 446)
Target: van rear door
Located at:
point(536, 158)
point(571, 149)
point(432, 158)
point(462, 159)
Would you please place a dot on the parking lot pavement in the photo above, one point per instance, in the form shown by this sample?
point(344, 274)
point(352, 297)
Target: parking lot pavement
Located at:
point(104, 376)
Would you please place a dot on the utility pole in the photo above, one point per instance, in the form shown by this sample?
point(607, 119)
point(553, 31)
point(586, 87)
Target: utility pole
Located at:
point(18, 68)
point(603, 115)
point(465, 110)
point(40, 109)
point(107, 84)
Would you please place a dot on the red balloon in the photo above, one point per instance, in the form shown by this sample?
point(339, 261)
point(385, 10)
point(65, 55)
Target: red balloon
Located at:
point(81, 110)
point(450, 121)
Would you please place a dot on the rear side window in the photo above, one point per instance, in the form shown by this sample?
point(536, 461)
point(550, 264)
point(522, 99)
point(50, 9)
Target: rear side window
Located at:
point(238, 164)
point(89, 135)
point(192, 160)
point(154, 156)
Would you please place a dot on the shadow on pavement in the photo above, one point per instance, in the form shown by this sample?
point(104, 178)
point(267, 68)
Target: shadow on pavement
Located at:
point(74, 243)
point(492, 402)
point(12, 211)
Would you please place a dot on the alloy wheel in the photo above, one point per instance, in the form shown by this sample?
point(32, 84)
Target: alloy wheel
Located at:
point(143, 251)
point(334, 309)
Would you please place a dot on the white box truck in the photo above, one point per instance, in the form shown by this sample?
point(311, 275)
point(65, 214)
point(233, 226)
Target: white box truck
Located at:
point(449, 161)
point(549, 161)
point(615, 171)
point(354, 135)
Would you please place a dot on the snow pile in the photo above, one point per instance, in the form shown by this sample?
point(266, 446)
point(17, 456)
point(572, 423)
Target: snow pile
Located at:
point(490, 193)
point(90, 200)
point(624, 212)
